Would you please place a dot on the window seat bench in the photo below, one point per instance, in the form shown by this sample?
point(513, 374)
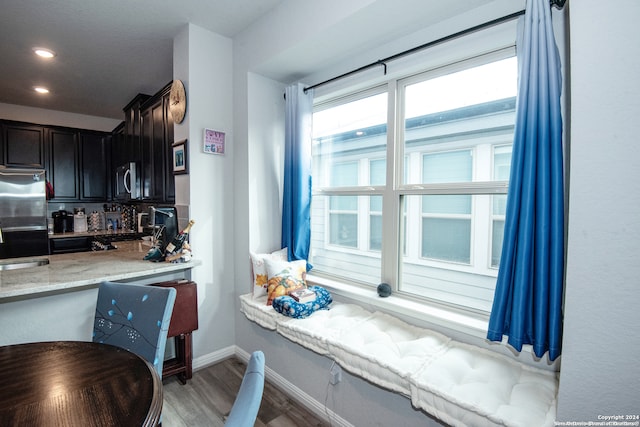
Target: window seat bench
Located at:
point(460, 384)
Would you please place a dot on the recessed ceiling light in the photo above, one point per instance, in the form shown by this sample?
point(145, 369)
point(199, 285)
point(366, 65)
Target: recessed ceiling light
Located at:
point(41, 89)
point(44, 52)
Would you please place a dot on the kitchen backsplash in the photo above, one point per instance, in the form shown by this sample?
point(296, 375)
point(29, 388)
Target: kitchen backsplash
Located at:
point(111, 216)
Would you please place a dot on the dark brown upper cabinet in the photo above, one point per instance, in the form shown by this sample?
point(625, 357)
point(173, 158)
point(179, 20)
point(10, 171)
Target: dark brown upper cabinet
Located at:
point(23, 145)
point(156, 139)
point(64, 163)
point(94, 177)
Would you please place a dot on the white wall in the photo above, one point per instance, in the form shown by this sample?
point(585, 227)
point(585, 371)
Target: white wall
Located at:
point(42, 116)
point(266, 162)
point(600, 369)
point(203, 61)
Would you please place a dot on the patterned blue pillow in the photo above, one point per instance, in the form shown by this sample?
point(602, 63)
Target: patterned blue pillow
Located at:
point(292, 308)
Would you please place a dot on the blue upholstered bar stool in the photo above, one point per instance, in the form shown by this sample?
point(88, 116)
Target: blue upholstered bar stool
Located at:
point(247, 403)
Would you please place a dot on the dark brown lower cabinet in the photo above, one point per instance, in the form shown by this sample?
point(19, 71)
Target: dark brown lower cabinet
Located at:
point(65, 245)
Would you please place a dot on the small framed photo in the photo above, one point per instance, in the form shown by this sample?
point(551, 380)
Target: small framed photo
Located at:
point(180, 157)
point(213, 141)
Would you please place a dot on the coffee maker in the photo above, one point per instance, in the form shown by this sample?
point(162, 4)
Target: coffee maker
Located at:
point(163, 222)
point(62, 221)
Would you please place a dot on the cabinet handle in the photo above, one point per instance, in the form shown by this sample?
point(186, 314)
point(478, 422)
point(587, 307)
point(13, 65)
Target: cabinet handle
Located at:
point(127, 187)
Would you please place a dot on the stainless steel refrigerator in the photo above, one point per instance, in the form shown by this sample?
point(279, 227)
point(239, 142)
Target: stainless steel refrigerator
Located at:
point(23, 213)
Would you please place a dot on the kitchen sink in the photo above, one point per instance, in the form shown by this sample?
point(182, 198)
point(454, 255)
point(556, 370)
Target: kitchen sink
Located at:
point(12, 264)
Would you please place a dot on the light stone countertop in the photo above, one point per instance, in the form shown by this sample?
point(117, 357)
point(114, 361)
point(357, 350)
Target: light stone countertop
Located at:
point(106, 233)
point(83, 269)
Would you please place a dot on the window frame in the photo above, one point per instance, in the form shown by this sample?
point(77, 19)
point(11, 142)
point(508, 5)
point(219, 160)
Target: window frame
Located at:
point(393, 193)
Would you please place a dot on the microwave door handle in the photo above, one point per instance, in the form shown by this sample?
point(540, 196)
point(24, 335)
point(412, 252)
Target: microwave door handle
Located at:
point(127, 187)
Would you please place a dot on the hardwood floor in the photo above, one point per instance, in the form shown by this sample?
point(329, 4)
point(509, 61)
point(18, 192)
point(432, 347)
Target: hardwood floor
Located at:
point(207, 398)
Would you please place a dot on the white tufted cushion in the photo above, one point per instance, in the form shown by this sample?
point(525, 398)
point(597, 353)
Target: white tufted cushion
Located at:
point(476, 387)
point(461, 384)
point(315, 331)
point(386, 350)
point(258, 311)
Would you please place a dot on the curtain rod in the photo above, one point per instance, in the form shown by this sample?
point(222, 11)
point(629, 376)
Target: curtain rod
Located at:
point(383, 62)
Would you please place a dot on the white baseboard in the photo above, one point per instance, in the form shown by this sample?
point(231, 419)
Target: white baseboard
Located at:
point(213, 358)
point(276, 379)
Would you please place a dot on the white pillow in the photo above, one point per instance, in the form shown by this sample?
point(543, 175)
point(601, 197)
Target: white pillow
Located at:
point(259, 271)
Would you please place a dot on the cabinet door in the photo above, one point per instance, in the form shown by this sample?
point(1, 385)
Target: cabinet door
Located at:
point(63, 164)
point(94, 162)
point(157, 153)
point(70, 244)
point(156, 138)
point(169, 186)
point(23, 145)
point(130, 150)
point(118, 145)
point(2, 138)
point(146, 145)
point(152, 143)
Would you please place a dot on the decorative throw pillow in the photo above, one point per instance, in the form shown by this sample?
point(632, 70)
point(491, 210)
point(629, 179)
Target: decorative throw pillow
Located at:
point(289, 307)
point(284, 277)
point(259, 270)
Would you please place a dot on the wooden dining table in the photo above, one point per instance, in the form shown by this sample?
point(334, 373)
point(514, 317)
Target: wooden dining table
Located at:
point(75, 383)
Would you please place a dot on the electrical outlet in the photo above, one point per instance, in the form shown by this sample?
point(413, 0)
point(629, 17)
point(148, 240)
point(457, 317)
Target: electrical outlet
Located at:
point(335, 374)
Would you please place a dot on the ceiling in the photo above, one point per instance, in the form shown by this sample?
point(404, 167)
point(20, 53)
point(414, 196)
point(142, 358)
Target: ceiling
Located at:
point(109, 51)
point(106, 51)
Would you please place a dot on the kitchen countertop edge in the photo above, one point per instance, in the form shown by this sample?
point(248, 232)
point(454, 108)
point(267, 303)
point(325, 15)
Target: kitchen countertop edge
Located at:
point(79, 270)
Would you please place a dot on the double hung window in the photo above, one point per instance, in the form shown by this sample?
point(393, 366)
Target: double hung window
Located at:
point(410, 180)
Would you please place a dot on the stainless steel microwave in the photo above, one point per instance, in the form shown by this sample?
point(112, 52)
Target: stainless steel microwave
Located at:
point(127, 182)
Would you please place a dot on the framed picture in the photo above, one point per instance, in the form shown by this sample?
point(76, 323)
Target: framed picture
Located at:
point(180, 157)
point(213, 141)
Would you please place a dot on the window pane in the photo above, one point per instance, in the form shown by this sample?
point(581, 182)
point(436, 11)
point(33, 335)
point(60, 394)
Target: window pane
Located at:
point(438, 260)
point(342, 245)
point(344, 203)
point(349, 132)
point(377, 172)
point(496, 242)
point(500, 204)
point(473, 86)
point(446, 239)
point(462, 109)
point(375, 232)
point(452, 166)
point(446, 204)
point(344, 174)
point(344, 230)
point(375, 204)
point(502, 163)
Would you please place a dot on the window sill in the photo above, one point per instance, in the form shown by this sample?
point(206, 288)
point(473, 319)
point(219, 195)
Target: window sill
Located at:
point(471, 324)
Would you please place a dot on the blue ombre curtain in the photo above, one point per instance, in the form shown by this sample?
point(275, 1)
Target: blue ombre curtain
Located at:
point(296, 205)
point(527, 306)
